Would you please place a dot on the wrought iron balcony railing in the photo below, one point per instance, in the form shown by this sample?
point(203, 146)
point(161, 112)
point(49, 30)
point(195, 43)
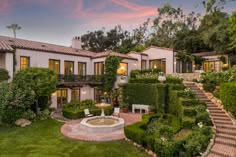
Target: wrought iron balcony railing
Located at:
point(81, 78)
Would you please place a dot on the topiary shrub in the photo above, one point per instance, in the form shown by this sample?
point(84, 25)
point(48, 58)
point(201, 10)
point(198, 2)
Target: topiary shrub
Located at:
point(228, 96)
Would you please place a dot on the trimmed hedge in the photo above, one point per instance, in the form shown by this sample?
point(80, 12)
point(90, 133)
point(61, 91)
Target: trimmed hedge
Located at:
point(188, 122)
point(79, 113)
point(228, 96)
point(148, 94)
point(134, 73)
point(174, 106)
point(75, 110)
point(188, 102)
point(169, 80)
point(189, 111)
point(135, 132)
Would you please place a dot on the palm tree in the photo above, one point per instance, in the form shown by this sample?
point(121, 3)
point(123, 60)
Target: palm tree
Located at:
point(14, 27)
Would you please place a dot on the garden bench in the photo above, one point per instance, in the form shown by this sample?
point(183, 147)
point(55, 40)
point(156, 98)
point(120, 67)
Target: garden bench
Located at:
point(140, 107)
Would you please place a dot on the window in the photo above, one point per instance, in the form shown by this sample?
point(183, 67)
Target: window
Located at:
point(143, 64)
point(210, 66)
point(158, 64)
point(68, 68)
point(82, 68)
point(54, 65)
point(61, 97)
point(97, 95)
point(178, 63)
point(24, 62)
point(99, 68)
point(75, 95)
point(186, 67)
point(123, 69)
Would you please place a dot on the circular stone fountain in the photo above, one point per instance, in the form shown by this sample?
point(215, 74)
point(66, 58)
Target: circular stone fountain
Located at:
point(98, 128)
point(103, 123)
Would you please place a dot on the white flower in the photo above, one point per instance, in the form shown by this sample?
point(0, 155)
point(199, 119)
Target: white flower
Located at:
point(200, 124)
point(163, 138)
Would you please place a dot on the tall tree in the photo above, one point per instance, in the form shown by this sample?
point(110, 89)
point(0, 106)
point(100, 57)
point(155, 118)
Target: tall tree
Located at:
point(232, 31)
point(14, 27)
point(213, 31)
point(168, 23)
point(214, 5)
point(116, 39)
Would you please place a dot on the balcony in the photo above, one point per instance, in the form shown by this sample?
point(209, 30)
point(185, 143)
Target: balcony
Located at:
point(80, 79)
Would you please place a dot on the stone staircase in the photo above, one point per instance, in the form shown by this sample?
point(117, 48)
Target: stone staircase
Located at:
point(225, 139)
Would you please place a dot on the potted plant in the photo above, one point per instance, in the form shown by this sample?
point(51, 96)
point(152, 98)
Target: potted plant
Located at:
point(152, 109)
point(161, 77)
point(124, 107)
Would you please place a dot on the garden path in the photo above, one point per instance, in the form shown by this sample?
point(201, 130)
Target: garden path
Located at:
point(225, 139)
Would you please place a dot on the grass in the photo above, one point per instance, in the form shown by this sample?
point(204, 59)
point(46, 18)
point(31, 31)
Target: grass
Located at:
point(43, 139)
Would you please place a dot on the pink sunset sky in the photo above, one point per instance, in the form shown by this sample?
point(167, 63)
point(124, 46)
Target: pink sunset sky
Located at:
point(57, 21)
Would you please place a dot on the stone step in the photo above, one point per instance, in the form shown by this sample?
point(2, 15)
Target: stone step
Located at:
point(214, 108)
point(224, 141)
point(218, 114)
point(212, 105)
point(229, 122)
point(227, 126)
point(226, 131)
point(220, 118)
point(216, 111)
point(226, 136)
point(205, 99)
point(223, 150)
point(213, 155)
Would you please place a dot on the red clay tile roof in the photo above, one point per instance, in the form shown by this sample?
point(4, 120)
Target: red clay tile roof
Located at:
point(211, 53)
point(140, 53)
point(112, 53)
point(8, 43)
point(163, 48)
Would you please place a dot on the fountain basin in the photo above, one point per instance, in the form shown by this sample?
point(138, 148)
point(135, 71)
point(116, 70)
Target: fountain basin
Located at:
point(105, 124)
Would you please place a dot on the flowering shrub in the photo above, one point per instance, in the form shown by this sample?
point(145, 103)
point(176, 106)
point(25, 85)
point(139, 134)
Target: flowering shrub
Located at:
point(14, 102)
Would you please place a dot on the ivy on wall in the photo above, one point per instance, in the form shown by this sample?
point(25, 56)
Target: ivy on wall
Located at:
point(111, 66)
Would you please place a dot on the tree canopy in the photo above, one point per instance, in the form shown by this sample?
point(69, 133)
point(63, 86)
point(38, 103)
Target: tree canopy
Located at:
point(40, 81)
point(172, 28)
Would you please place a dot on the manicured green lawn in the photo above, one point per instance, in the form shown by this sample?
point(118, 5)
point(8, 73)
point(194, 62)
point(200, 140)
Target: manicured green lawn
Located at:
point(43, 139)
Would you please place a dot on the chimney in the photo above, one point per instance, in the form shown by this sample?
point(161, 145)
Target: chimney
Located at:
point(76, 43)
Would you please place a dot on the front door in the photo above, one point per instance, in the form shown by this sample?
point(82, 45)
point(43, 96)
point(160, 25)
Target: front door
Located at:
point(61, 97)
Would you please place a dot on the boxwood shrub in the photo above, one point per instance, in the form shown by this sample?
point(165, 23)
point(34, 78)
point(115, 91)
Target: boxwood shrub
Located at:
point(188, 122)
point(75, 110)
point(228, 96)
point(189, 111)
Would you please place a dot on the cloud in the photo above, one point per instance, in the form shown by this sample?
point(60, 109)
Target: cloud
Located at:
point(129, 13)
point(4, 4)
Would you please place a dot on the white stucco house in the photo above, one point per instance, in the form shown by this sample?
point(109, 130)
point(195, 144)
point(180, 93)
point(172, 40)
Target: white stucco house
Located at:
point(161, 58)
point(79, 71)
point(213, 61)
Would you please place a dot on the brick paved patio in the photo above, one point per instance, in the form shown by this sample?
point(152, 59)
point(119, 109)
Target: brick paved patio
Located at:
point(74, 130)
